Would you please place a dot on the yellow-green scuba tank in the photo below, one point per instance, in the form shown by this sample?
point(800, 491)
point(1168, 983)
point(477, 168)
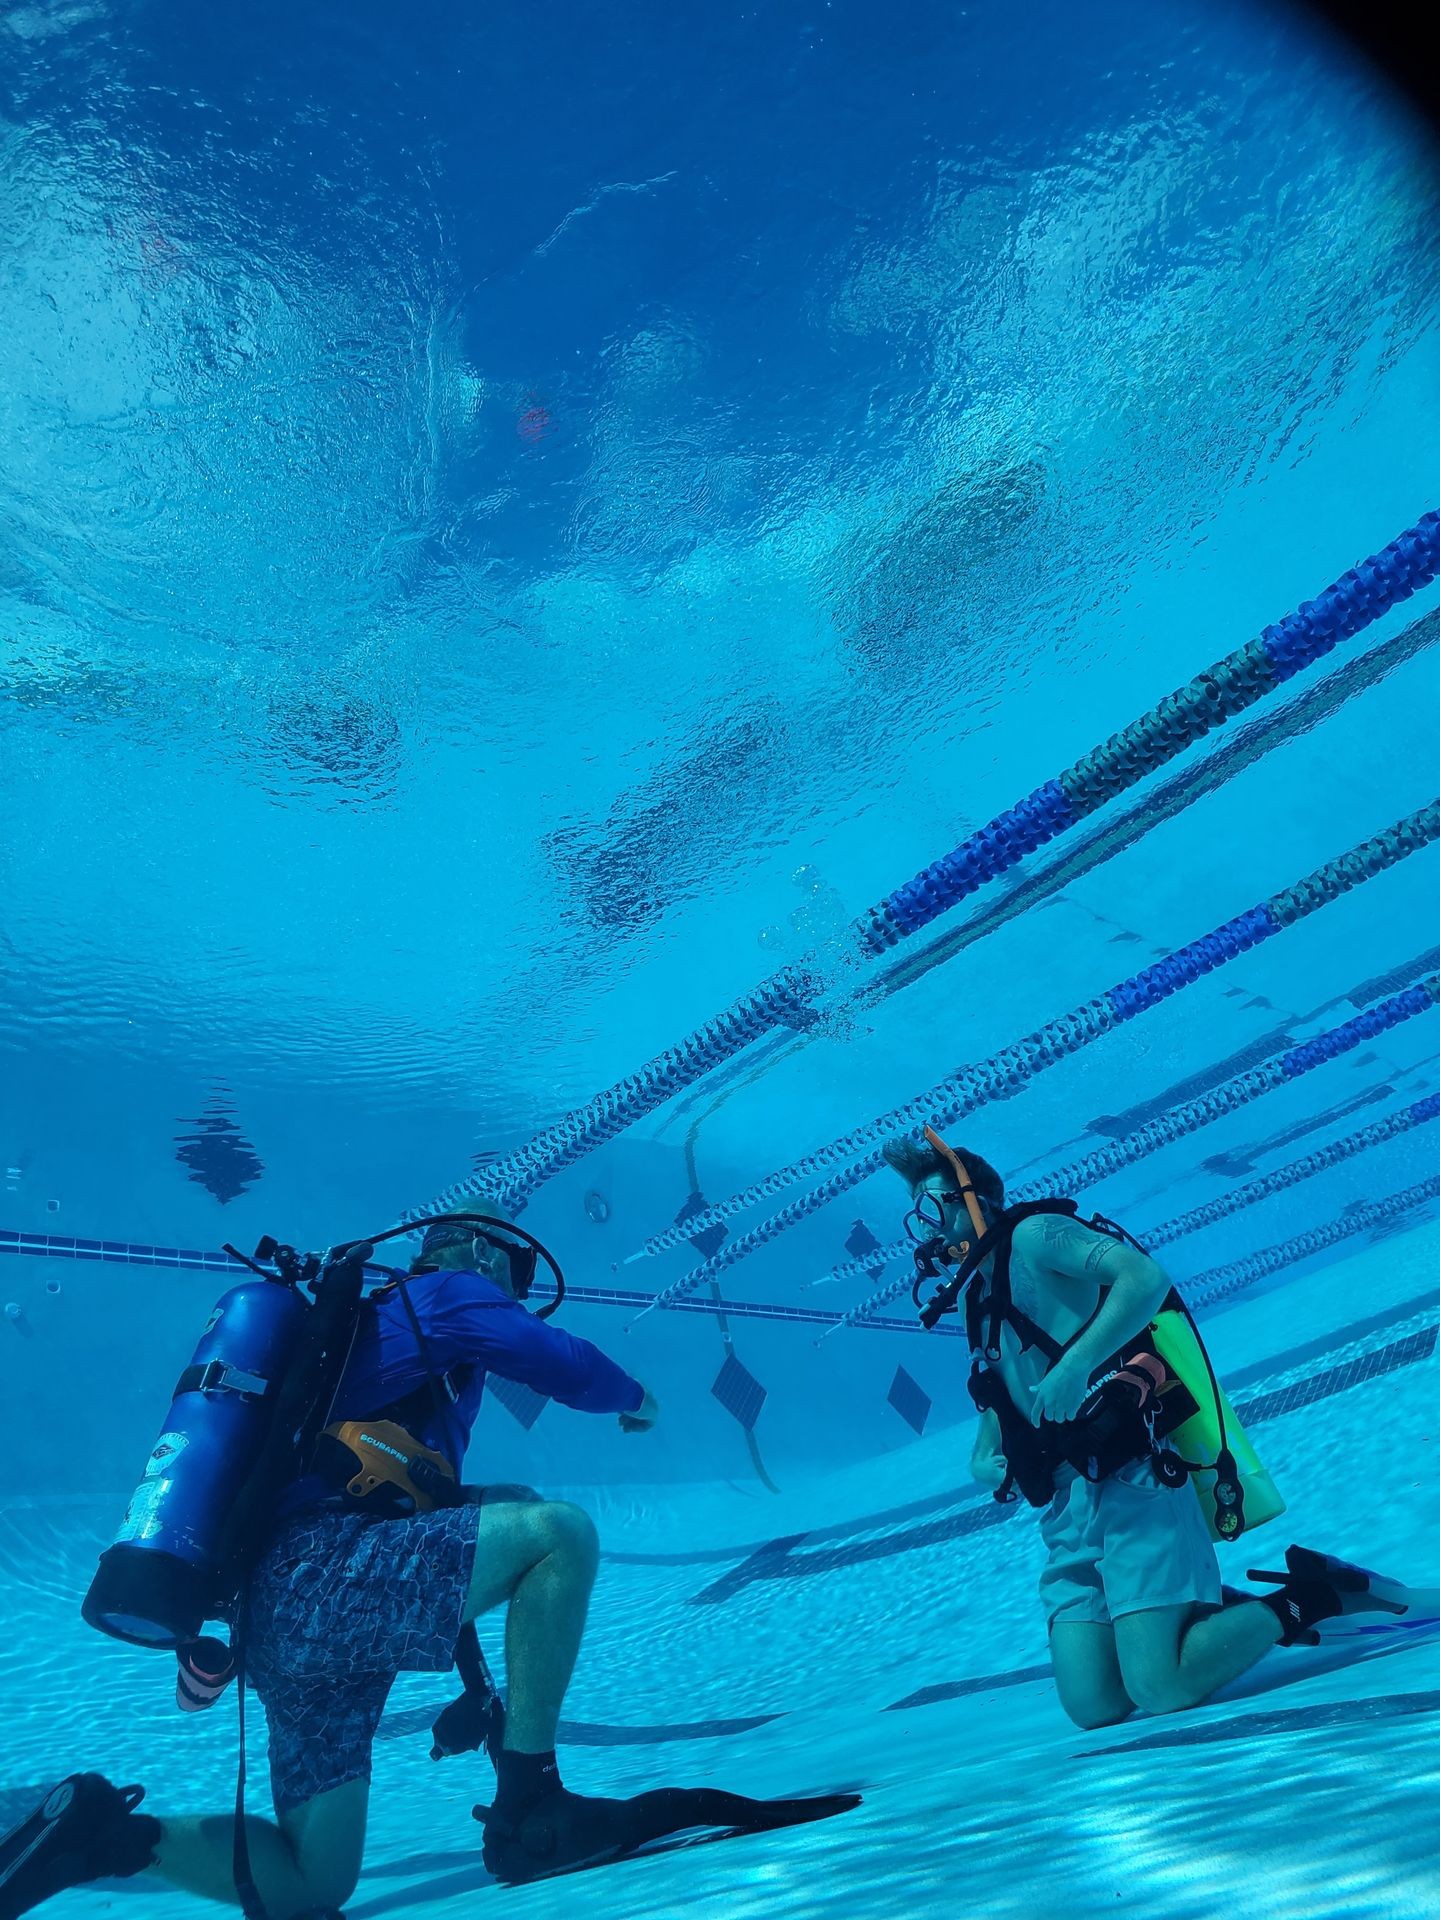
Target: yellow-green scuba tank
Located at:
point(1236, 1493)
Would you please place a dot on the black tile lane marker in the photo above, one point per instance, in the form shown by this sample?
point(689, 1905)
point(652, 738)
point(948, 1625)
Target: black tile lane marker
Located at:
point(1320, 1386)
point(779, 1559)
point(968, 1495)
point(1330, 1343)
point(962, 1689)
point(1315, 1718)
point(582, 1733)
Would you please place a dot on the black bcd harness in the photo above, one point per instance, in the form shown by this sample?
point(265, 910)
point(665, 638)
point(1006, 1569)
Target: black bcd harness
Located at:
point(1032, 1454)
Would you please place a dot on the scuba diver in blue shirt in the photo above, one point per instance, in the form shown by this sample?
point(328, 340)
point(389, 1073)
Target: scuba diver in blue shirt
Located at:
point(375, 1561)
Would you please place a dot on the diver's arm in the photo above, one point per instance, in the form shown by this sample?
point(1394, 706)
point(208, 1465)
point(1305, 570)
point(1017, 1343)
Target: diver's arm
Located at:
point(1133, 1288)
point(562, 1365)
point(476, 1321)
point(987, 1462)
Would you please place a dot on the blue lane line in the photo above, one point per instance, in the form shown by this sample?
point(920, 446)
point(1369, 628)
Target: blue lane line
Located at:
point(58, 1246)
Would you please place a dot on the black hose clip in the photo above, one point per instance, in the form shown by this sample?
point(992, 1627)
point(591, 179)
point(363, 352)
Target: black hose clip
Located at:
point(1170, 1469)
point(945, 1299)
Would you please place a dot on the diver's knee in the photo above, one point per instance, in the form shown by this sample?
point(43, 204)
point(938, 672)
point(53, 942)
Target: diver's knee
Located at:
point(1089, 1715)
point(326, 1838)
point(506, 1493)
point(1091, 1706)
point(1163, 1692)
point(569, 1530)
point(328, 1888)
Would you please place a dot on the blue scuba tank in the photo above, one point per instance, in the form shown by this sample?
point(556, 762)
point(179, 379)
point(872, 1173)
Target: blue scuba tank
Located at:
point(155, 1585)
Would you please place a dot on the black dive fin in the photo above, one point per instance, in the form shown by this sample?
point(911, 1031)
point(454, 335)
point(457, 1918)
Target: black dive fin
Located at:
point(670, 1810)
point(1356, 1589)
point(569, 1833)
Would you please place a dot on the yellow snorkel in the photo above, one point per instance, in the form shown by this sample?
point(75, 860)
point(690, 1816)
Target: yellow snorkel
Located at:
point(965, 1186)
point(933, 1254)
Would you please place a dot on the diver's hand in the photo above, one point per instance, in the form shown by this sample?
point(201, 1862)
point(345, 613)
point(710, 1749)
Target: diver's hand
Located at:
point(644, 1416)
point(1063, 1391)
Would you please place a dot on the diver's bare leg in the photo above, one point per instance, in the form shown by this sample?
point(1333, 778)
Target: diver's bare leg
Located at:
point(543, 1560)
point(309, 1862)
point(1087, 1673)
point(1172, 1658)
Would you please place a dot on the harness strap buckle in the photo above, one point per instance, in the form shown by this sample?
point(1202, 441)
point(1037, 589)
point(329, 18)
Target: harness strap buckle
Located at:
point(220, 1378)
point(217, 1376)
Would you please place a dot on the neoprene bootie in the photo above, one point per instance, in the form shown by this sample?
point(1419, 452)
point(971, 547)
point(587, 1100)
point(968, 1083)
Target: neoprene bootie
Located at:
point(1316, 1587)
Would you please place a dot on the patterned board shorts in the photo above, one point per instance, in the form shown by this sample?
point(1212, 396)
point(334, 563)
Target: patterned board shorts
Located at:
point(339, 1605)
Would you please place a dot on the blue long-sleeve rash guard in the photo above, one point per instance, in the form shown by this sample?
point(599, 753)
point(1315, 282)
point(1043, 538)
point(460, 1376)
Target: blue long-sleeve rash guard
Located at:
point(472, 1327)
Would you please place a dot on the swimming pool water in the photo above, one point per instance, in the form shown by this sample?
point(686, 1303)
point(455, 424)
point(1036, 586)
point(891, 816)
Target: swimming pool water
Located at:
point(516, 530)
